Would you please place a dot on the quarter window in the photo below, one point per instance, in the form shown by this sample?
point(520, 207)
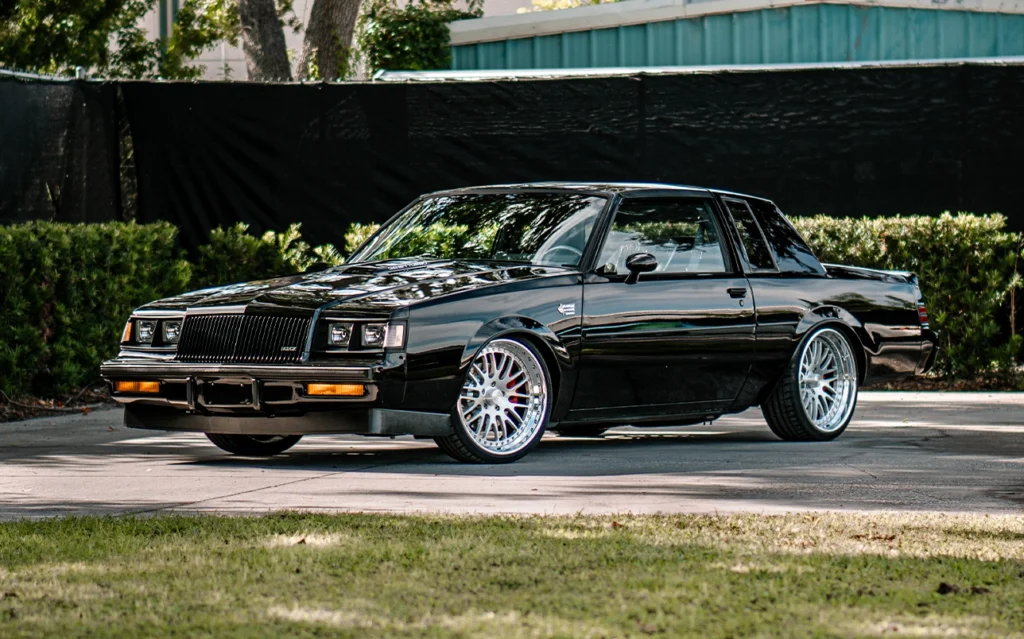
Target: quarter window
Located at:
point(758, 254)
point(679, 232)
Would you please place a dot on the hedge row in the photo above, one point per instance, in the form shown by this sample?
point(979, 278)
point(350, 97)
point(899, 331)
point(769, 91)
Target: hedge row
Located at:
point(967, 268)
point(66, 289)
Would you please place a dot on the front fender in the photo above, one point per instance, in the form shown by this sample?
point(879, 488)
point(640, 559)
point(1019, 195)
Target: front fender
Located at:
point(557, 354)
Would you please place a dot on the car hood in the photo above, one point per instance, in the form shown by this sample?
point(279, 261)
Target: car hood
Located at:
point(376, 288)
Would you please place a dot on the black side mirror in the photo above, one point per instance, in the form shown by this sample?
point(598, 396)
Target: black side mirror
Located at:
point(638, 263)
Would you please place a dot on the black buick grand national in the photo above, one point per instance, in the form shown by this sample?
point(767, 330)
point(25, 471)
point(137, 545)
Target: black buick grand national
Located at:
point(481, 317)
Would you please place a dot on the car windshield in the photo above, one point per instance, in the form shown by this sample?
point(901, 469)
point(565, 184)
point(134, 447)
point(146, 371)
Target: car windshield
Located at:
point(537, 228)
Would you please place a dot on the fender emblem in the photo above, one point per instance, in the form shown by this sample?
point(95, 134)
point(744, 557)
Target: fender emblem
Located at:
point(567, 309)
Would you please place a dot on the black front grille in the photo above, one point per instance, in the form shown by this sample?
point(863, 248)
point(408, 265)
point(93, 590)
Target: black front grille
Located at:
point(257, 339)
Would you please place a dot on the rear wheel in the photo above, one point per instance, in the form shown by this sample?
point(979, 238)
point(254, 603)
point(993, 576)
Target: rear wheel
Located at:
point(818, 393)
point(254, 445)
point(503, 406)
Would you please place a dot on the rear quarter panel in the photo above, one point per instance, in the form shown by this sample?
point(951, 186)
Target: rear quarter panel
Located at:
point(882, 315)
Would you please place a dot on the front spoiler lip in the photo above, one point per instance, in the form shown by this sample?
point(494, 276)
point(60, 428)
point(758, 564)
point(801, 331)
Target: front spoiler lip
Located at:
point(163, 369)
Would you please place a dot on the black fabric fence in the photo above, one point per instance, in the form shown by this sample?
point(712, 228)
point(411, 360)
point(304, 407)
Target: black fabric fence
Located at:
point(59, 151)
point(872, 140)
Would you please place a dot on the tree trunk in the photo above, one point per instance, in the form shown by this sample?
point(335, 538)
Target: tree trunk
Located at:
point(328, 39)
point(263, 41)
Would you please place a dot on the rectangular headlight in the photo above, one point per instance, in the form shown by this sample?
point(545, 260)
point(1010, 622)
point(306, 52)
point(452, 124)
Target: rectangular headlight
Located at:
point(374, 334)
point(171, 331)
point(146, 329)
point(339, 334)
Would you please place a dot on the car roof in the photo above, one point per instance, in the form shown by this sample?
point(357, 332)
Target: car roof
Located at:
point(621, 188)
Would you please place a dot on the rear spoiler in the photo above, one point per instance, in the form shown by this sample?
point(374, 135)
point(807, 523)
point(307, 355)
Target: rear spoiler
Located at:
point(857, 272)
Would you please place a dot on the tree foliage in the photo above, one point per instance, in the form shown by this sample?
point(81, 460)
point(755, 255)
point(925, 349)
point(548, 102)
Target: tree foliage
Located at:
point(52, 37)
point(413, 37)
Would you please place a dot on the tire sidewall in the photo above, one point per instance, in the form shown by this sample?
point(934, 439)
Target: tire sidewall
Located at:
point(467, 440)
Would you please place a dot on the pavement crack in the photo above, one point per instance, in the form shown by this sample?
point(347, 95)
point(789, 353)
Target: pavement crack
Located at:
point(861, 470)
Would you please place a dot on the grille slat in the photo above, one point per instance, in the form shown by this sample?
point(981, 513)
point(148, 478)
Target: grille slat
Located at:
point(232, 339)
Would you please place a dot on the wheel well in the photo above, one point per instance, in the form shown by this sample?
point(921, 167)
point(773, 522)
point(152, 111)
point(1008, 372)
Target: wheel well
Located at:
point(858, 346)
point(545, 351)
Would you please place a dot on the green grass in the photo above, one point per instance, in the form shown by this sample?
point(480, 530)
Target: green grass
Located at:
point(391, 576)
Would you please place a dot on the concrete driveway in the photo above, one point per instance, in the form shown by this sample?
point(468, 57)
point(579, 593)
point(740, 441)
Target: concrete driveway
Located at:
point(950, 452)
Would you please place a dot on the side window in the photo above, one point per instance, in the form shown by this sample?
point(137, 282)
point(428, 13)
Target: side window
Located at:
point(758, 254)
point(679, 232)
point(791, 252)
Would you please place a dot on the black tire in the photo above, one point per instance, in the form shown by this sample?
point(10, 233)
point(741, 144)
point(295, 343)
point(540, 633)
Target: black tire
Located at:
point(784, 410)
point(463, 446)
point(582, 431)
point(254, 445)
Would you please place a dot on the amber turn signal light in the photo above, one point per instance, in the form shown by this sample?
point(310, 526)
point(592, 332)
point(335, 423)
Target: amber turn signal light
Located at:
point(336, 390)
point(137, 387)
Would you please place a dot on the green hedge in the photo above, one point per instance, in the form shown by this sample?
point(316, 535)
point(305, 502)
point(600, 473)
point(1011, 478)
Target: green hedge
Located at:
point(66, 289)
point(65, 292)
point(966, 265)
point(233, 255)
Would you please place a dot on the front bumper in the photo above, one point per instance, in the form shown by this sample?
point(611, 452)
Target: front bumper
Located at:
point(264, 400)
point(229, 388)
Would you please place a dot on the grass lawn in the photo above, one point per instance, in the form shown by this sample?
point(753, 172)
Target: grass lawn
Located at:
point(392, 576)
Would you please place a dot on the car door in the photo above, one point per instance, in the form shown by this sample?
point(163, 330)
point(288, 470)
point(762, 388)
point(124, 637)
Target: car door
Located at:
point(681, 339)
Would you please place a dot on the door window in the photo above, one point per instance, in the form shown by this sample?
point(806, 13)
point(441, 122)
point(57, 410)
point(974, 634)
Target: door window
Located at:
point(680, 233)
point(758, 254)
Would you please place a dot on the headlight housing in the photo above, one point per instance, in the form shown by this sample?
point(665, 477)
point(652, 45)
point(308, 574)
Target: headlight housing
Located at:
point(171, 330)
point(384, 335)
point(339, 333)
point(146, 330)
point(153, 332)
point(374, 335)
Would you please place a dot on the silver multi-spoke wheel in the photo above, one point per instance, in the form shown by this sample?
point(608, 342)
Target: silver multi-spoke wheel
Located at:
point(816, 397)
point(504, 400)
point(828, 380)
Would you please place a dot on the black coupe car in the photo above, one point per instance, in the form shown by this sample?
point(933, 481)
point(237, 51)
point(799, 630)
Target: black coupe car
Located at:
point(481, 317)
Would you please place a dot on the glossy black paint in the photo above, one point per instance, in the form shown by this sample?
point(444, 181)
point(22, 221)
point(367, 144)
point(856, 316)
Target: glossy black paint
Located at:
point(669, 348)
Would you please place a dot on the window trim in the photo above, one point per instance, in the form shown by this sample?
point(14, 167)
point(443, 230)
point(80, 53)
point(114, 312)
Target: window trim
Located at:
point(731, 266)
point(749, 268)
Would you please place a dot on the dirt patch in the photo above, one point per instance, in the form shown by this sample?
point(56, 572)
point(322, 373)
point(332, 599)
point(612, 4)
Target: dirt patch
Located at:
point(84, 401)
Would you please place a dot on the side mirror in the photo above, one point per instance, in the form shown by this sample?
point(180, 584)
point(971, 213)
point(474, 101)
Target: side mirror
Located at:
point(638, 263)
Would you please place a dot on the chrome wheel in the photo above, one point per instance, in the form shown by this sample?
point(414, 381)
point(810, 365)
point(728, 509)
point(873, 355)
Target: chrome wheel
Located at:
point(828, 380)
point(504, 400)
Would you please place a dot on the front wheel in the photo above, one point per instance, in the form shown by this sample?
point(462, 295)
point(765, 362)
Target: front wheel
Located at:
point(503, 406)
point(254, 445)
point(816, 397)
